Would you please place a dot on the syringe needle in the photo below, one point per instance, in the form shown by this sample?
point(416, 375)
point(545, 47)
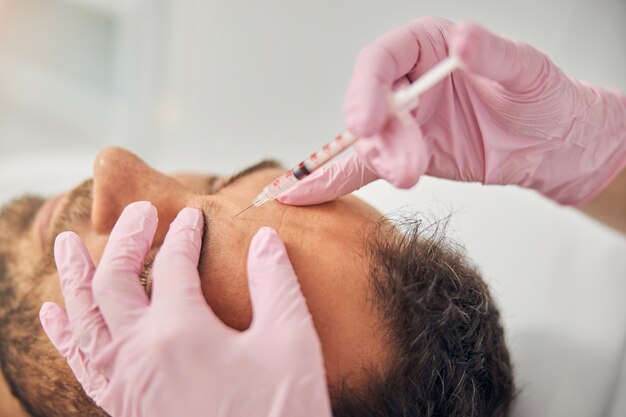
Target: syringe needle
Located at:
point(243, 210)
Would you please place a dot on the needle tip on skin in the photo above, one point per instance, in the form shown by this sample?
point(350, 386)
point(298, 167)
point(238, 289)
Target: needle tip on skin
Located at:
point(243, 210)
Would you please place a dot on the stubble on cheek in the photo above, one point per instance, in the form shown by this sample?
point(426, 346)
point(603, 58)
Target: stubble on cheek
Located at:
point(20, 256)
point(76, 212)
point(17, 216)
point(38, 375)
point(24, 268)
point(16, 219)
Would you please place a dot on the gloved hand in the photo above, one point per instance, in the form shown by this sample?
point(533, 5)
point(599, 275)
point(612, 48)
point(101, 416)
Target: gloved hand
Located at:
point(170, 356)
point(510, 117)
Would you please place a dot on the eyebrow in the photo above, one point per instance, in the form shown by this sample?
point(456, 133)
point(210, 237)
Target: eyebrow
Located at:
point(264, 164)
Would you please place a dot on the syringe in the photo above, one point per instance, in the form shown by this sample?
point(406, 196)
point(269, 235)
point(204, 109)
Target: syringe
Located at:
point(401, 104)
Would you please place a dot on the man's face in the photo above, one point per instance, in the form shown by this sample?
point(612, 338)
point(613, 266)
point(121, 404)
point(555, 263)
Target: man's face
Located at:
point(325, 244)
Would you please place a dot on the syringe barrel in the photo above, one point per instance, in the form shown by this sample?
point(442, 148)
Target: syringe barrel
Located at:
point(289, 179)
point(328, 152)
point(401, 102)
point(280, 185)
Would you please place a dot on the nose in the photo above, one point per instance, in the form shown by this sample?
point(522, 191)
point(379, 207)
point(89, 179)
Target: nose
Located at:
point(121, 178)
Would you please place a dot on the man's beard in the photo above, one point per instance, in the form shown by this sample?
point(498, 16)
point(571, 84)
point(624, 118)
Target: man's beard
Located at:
point(16, 218)
point(76, 211)
point(26, 358)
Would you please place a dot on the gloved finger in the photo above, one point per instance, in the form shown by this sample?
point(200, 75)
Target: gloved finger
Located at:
point(56, 325)
point(406, 51)
point(175, 271)
point(515, 65)
point(76, 271)
point(274, 289)
point(340, 178)
point(398, 153)
point(116, 286)
point(377, 67)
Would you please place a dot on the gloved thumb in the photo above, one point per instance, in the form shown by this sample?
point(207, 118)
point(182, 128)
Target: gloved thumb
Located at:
point(340, 178)
point(515, 65)
point(175, 271)
point(274, 288)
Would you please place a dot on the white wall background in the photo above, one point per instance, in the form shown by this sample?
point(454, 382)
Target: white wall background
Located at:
point(214, 86)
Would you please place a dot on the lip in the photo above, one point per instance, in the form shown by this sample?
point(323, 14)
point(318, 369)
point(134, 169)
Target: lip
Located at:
point(45, 219)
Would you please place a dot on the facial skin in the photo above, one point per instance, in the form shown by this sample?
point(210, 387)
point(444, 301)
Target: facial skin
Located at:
point(325, 244)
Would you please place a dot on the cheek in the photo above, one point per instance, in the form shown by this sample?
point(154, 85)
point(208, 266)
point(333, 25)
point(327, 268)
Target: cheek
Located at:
point(52, 289)
point(223, 269)
point(224, 283)
point(229, 300)
point(95, 245)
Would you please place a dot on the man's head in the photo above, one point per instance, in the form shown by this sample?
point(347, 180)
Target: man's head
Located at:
point(400, 316)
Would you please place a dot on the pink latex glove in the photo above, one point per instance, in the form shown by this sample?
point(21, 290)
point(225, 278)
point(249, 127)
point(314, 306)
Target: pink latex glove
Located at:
point(511, 117)
point(170, 356)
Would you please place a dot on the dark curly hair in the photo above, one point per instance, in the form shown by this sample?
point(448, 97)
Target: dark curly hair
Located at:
point(442, 326)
